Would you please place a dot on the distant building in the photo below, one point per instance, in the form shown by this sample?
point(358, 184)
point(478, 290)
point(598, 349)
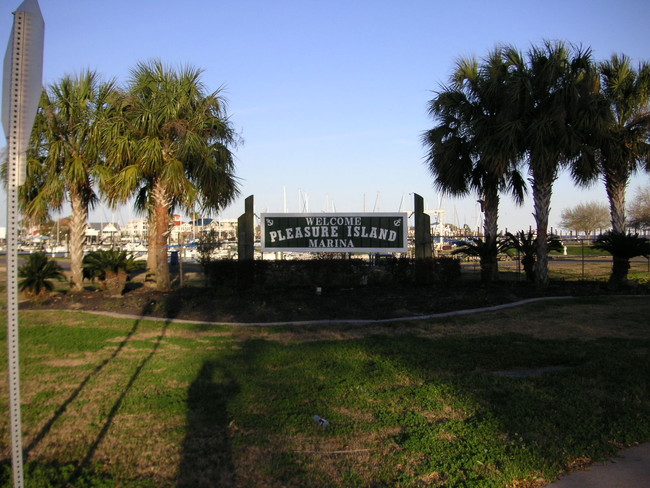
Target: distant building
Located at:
point(180, 229)
point(202, 224)
point(225, 228)
point(136, 229)
point(102, 233)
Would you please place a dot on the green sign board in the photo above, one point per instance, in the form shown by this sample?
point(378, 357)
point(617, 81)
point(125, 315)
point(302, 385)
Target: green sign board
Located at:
point(335, 232)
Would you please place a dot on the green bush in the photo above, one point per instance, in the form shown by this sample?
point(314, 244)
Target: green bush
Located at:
point(208, 243)
point(622, 247)
point(37, 274)
point(111, 268)
point(229, 273)
point(525, 243)
point(329, 273)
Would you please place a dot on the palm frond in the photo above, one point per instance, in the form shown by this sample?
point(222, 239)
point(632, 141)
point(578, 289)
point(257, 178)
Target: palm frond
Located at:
point(626, 246)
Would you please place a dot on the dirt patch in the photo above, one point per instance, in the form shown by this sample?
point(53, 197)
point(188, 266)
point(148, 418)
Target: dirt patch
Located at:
point(66, 363)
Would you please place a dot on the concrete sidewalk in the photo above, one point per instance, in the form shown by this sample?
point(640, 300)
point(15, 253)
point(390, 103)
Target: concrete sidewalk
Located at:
point(630, 470)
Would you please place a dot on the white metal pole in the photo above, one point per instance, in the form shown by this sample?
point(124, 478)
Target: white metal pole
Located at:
point(22, 75)
point(12, 318)
point(13, 181)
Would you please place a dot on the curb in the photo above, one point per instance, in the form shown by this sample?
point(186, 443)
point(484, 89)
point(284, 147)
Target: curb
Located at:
point(317, 322)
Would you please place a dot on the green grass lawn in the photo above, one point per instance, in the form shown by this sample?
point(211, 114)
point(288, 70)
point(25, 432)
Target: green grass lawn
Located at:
point(508, 398)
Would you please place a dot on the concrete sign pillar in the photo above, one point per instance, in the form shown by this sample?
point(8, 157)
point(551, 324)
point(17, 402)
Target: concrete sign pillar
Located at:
point(246, 232)
point(422, 230)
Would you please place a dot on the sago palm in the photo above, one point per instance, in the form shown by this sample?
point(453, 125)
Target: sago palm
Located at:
point(37, 274)
point(485, 251)
point(66, 160)
point(98, 263)
point(111, 267)
point(469, 150)
point(525, 243)
point(622, 247)
point(170, 145)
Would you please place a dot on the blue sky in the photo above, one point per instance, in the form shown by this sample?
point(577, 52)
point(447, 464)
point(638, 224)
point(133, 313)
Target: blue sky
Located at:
point(330, 97)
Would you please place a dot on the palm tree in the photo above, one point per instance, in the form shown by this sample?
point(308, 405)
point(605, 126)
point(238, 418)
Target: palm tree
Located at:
point(623, 144)
point(469, 149)
point(65, 162)
point(554, 90)
point(170, 145)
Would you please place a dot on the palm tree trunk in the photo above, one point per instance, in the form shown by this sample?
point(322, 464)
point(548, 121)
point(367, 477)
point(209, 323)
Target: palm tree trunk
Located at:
point(150, 276)
point(620, 269)
point(615, 185)
point(490, 266)
point(78, 224)
point(542, 191)
point(162, 205)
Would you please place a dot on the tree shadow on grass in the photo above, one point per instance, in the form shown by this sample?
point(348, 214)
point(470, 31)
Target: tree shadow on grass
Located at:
point(206, 457)
point(86, 461)
point(118, 403)
point(77, 391)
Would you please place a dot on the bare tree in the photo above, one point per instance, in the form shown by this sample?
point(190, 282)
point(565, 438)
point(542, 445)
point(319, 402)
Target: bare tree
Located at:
point(639, 209)
point(586, 217)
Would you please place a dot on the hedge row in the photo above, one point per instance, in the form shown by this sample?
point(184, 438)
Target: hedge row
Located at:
point(330, 273)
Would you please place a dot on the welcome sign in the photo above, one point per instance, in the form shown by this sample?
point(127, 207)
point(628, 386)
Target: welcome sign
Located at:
point(335, 232)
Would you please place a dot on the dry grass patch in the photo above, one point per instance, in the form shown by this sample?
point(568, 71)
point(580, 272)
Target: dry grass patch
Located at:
point(333, 457)
point(446, 413)
point(435, 478)
point(357, 416)
point(145, 444)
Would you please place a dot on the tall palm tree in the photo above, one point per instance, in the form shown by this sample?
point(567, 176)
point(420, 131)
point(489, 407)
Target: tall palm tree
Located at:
point(623, 144)
point(171, 146)
point(554, 89)
point(469, 150)
point(66, 161)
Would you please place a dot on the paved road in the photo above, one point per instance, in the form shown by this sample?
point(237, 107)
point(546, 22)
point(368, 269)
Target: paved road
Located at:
point(630, 470)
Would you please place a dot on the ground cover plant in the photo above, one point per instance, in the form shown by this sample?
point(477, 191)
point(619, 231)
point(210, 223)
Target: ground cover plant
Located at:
point(513, 397)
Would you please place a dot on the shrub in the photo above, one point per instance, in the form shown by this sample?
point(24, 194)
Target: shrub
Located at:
point(441, 270)
point(111, 268)
point(524, 243)
point(487, 252)
point(37, 273)
point(622, 247)
point(230, 273)
point(329, 273)
point(208, 243)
